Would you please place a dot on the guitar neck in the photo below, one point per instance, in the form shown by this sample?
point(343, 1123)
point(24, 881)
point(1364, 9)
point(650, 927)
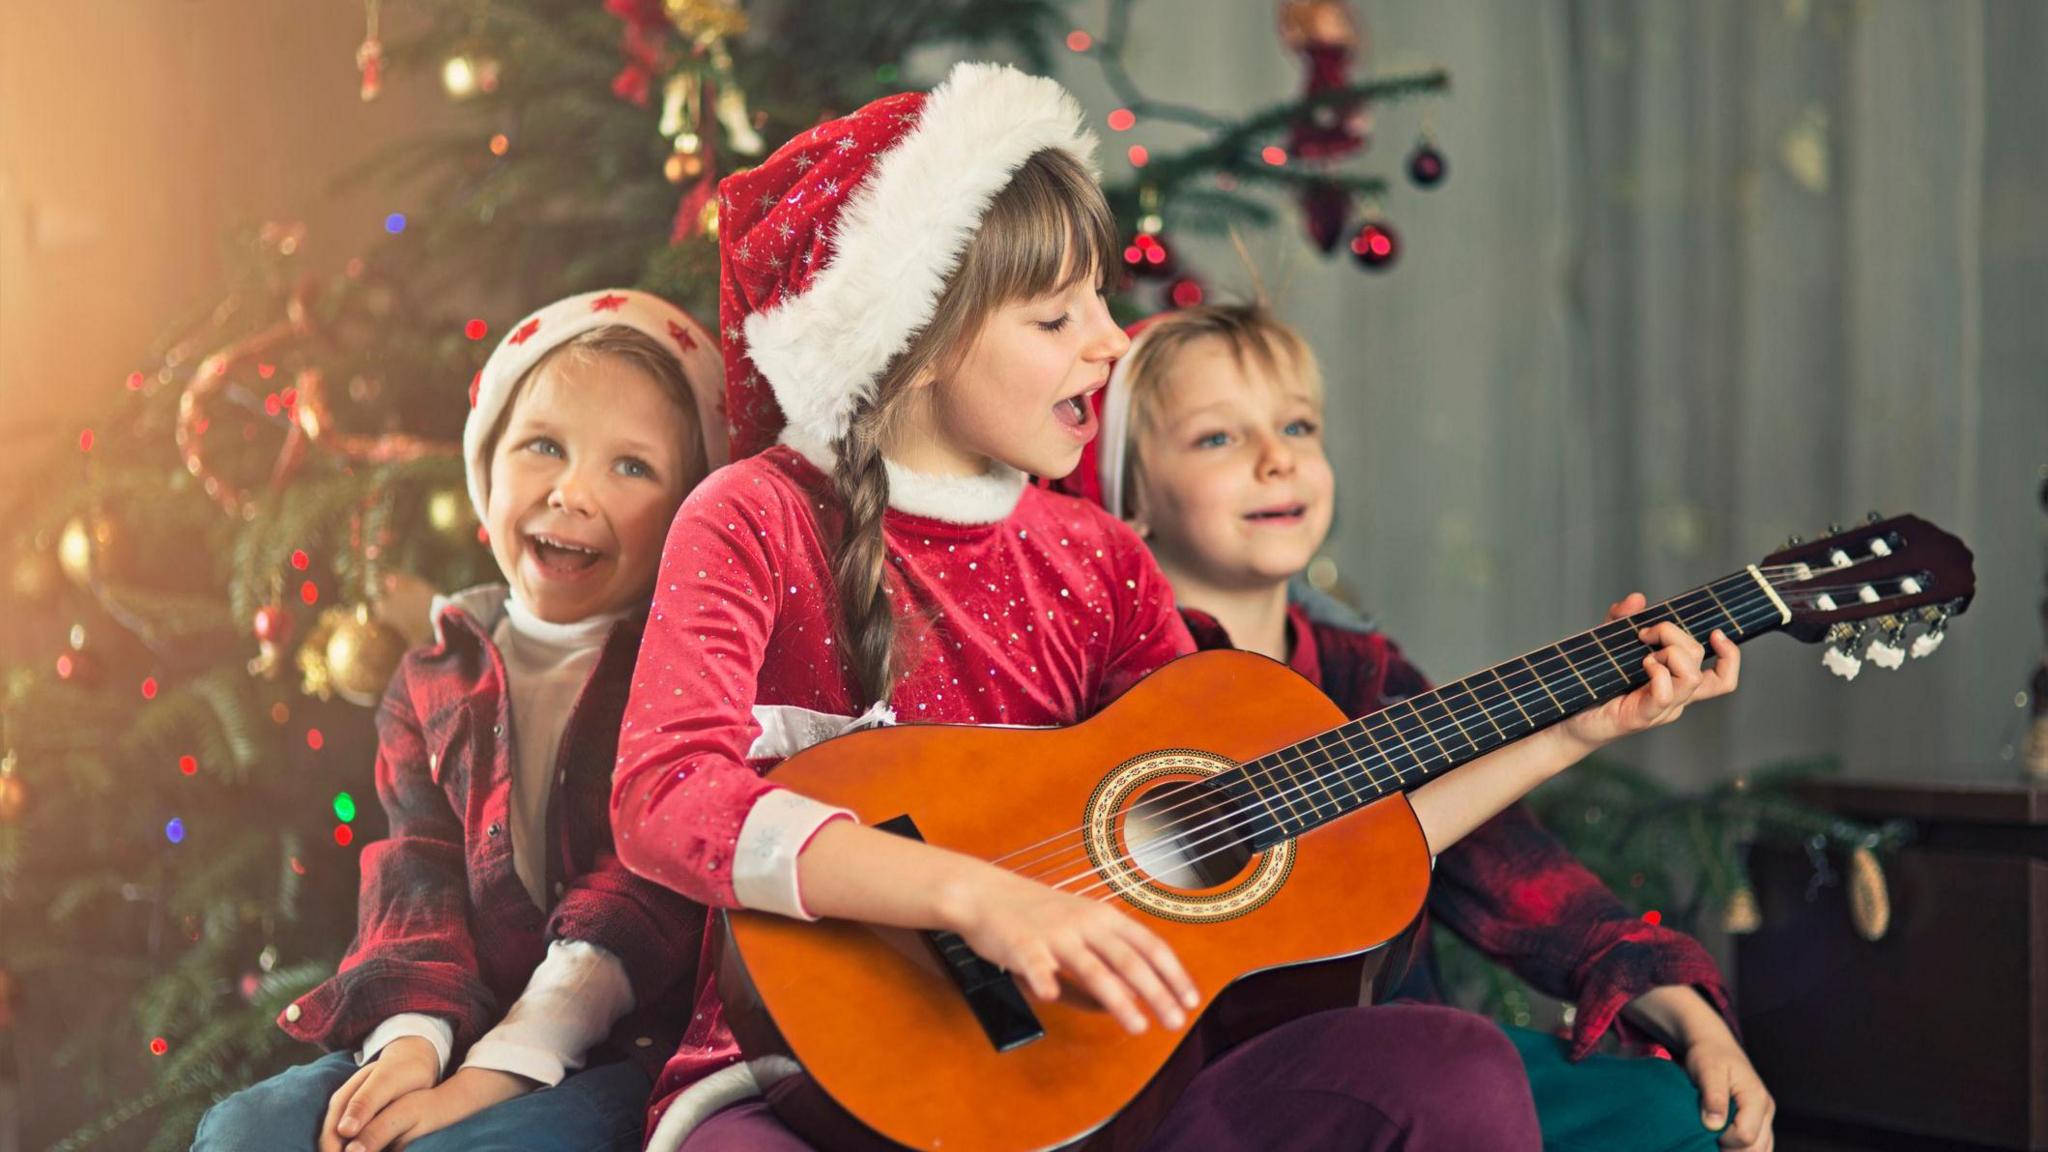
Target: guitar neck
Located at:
point(1410, 742)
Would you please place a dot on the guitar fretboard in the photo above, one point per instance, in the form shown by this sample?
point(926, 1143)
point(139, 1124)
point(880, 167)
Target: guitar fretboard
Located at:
point(1407, 743)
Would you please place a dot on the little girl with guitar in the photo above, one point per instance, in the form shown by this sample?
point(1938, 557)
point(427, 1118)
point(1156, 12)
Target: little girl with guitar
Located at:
point(917, 285)
point(1213, 451)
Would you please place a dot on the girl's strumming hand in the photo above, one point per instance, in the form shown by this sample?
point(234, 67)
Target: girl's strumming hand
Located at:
point(1043, 935)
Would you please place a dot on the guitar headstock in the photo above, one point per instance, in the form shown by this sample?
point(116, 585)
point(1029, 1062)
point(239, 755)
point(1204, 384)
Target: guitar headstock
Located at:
point(1870, 586)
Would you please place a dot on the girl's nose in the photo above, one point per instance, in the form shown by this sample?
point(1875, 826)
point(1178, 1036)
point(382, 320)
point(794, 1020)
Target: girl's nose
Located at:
point(1106, 339)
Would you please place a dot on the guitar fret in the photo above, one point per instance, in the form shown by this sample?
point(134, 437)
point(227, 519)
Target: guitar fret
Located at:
point(1381, 753)
point(1573, 665)
point(1484, 710)
point(1395, 713)
point(1344, 775)
point(1336, 806)
point(1442, 699)
point(1732, 621)
point(1416, 705)
point(1265, 797)
point(1530, 668)
point(1595, 634)
point(1510, 694)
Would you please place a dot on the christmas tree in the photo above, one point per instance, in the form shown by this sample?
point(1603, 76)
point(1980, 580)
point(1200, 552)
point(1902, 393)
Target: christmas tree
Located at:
point(224, 578)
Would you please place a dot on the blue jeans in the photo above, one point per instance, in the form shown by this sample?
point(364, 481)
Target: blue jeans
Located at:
point(600, 1109)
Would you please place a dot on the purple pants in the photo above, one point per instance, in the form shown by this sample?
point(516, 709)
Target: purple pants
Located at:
point(1413, 1077)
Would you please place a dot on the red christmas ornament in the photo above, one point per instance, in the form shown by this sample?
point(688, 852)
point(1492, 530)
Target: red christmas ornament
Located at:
point(1427, 166)
point(1326, 207)
point(1147, 257)
point(1329, 40)
point(1376, 246)
point(1186, 292)
point(273, 625)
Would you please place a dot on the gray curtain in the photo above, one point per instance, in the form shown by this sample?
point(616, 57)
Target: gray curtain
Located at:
point(1704, 275)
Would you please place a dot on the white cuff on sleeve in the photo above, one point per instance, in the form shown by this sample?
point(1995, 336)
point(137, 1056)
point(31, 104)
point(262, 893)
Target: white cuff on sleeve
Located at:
point(434, 1030)
point(571, 1002)
point(764, 873)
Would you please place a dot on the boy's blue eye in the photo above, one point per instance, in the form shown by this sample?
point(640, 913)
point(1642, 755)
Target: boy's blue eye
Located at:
point(544, 445)
point(634, 466)
point(1302, 428)
point(1213, 440)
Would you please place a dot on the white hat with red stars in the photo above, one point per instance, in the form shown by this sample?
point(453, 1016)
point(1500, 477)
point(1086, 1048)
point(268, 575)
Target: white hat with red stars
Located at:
point(565, 319)
point(834, 251)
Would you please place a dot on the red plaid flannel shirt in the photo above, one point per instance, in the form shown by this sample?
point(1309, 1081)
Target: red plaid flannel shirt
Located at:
point(444, 925)
point(1510, 888)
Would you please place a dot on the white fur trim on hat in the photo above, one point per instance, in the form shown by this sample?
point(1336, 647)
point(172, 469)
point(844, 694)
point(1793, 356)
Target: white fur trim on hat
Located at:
point(565, 319)
point(901, 234)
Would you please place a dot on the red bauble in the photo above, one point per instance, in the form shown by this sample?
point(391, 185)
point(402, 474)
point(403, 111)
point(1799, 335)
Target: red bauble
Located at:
point(1427, 166)
point(1186, 292)
point(1327, 208)
point(1376, 246)
point(1146, 256)
point(273, 625)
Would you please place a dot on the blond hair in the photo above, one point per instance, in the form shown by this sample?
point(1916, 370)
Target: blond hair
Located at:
point(1048, 228)
point(1251, 332)
point(636, 349)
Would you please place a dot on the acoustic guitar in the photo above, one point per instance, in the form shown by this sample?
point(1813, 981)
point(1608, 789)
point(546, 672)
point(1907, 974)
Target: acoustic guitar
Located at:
point(1225, 801)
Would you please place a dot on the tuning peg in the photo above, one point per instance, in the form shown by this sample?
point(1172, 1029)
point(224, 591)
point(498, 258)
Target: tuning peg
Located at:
point(1794, 541)
point(1937, 630)
point(1834, 529)
point(1888, 650)
point(1844, 641)
point(1875, 516)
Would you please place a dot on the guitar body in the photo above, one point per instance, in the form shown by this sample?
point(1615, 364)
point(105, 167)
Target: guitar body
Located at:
point(891, 1053)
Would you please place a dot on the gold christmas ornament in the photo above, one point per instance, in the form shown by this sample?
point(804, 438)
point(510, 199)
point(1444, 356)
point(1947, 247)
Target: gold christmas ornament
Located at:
point(1742, 916)
point(90, 546)
point(13, 790)
point(449, 514)
point(705, 21)
point(1870, 902)
point(707, 220)
point(362, 652)
point(36, 576)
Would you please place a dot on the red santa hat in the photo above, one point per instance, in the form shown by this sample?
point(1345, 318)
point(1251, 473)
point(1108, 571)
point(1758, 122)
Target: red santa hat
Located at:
point(834, 251)
point(565, 319)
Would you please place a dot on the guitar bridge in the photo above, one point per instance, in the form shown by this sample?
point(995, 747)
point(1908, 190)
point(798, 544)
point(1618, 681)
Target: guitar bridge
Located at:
point(991, 993)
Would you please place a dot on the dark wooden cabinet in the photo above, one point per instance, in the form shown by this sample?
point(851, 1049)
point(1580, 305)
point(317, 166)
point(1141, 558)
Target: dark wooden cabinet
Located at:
point(1939, 1030)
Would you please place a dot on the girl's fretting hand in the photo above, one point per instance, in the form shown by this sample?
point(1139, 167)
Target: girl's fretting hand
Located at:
point(1042, 935)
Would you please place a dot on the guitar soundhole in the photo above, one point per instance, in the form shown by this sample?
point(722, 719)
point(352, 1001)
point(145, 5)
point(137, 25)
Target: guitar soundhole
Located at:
point(1187, 834)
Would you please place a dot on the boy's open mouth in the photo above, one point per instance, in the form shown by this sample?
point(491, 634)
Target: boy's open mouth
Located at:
point(560, 556)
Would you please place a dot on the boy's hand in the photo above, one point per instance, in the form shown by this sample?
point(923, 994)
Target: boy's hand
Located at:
point(464, 1094)
point(407, 1065)
point(1724, 1075)
point(1676, 679)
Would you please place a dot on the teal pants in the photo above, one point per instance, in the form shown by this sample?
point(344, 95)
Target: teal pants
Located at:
point(1610, 1103)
